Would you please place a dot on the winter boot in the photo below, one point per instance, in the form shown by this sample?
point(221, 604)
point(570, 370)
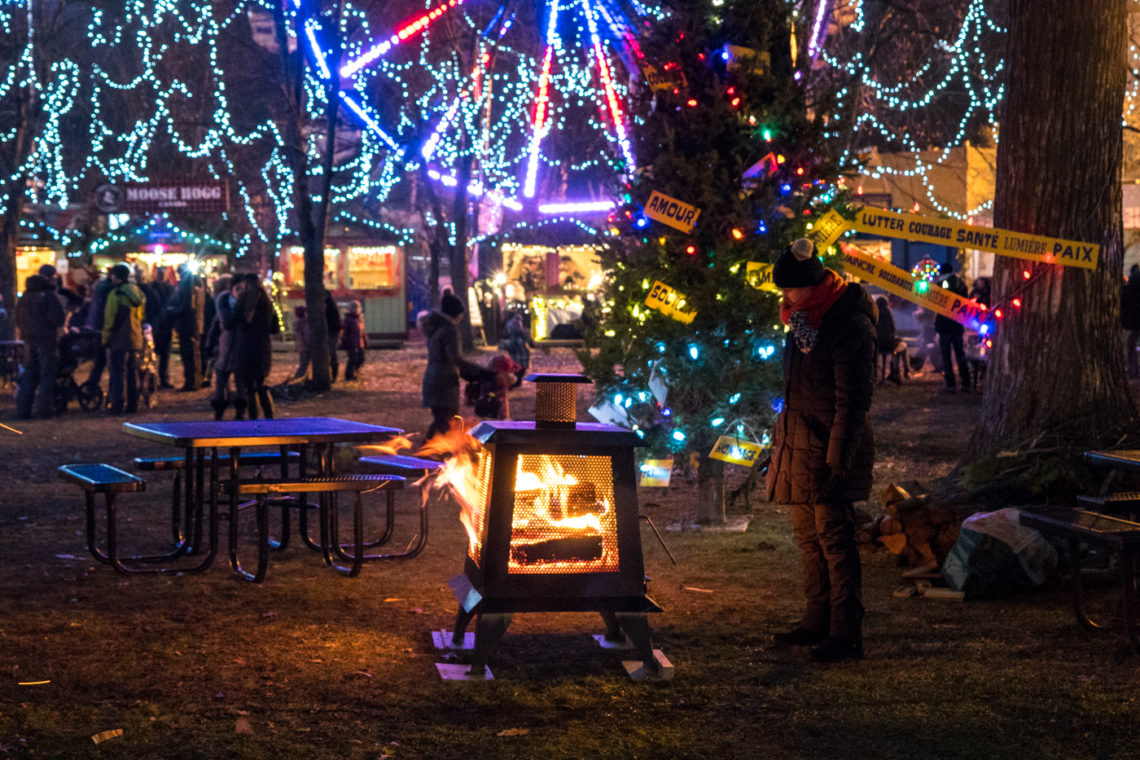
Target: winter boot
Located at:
point(266, 399)
point(219, 407)
point(239, 408)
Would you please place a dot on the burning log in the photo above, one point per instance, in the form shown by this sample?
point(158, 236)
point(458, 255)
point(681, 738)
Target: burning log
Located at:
point(561, 502)
point(571, 549)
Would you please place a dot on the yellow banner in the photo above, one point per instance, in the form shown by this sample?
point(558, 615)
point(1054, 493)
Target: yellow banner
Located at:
point(1019, 245)
point(673, 79)
point(670, 302)
point(736, 451)
point(656, 473)
point(672, 212)
point(827, 230)
point(759, 276)
point(905, 285)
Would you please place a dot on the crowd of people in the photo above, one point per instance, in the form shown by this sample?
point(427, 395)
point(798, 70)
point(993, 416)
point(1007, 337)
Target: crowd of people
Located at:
point(222, 328)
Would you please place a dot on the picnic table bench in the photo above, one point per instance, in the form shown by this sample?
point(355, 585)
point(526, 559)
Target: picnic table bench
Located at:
point(1119, 536)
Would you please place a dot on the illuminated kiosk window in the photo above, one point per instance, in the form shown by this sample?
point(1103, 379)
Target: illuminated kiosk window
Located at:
point(296, 259)
point(372, 267)
point(563, 519)
point(29, 259)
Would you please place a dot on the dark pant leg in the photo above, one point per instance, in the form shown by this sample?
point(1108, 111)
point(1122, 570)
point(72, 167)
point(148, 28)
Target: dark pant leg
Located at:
point(117, 385)
point(355, 362)
point(45, 388)
point(440, 420)
point(944, 341)
point(835, 528)
point(334, 360)
point(29, 380)
point(162, 350)
point(959, 345)
point(816, 583)
point(188, 350)
point(132, 382)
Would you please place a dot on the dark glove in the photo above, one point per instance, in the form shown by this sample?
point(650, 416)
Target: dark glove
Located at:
point(487, 375)
point(832, 488)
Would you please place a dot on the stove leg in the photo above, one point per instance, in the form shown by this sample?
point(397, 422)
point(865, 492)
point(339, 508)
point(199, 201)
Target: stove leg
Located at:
point(489, 631)
point(636, 626)
point(462, 619)
point(614, 633)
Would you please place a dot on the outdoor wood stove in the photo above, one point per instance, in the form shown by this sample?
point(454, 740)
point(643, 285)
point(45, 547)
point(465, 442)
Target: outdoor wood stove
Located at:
point(553, 526)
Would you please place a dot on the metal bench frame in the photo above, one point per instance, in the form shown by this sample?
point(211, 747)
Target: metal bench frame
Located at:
point(1114, 534)
point(111, 481)
point(329, 546)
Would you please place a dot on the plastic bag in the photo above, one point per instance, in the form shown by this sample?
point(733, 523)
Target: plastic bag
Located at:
point(995, 555)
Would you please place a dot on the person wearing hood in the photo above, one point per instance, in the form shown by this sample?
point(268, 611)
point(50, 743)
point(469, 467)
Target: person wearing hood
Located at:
point(123, 339)
point(823, 450)
point(39, 317)
point(254, 322)
point(446, 364)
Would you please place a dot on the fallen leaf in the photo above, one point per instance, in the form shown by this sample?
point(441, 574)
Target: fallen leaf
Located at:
point(242, 726)
point(698, 590)
point(513, 732)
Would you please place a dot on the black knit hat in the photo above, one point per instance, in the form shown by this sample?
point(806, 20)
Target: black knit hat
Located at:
point(451, 305)
point(798, 266)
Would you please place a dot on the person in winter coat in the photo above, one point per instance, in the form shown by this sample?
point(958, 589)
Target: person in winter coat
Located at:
point(95, 322)
point(224, 304)
point(507, 373)
point(886, 342)
point(253, 321)
point(517, 343)
point(823, 450)
point(302, 340)
point(951, 333)
point(163, 324)
point(1130, 319)
point(39, 317)
point(446, 364)
point(353, 340)
point(122, 337)
point(187, 308)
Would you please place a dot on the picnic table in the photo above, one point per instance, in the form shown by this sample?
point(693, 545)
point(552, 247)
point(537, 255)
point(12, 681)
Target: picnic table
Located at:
point(1093, 524)
point(201, 442)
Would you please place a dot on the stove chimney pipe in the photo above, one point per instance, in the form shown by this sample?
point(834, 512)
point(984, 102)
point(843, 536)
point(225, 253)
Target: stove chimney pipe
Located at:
point(555, 400)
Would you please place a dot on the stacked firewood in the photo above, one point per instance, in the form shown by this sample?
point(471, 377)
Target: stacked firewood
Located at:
point(919, 534)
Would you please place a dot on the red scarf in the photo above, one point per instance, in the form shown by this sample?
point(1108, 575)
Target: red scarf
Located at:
point(820, 299)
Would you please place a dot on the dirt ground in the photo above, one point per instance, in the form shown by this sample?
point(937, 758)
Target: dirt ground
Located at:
point(309, 664)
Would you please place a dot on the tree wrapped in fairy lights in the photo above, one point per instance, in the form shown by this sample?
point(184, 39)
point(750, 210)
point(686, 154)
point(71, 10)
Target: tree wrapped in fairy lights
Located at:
point(726, 129)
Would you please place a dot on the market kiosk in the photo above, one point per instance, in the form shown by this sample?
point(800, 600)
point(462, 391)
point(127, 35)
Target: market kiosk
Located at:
point(354, 271)
point(555, 283)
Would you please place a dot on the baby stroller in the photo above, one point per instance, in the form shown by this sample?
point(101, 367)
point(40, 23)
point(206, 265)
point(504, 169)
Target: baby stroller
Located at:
point(148, 370)
point(74, 349)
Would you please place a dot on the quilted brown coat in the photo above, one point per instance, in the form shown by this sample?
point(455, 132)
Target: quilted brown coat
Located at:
point(823, 448)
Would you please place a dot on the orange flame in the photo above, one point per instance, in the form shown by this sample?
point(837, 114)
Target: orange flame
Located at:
point(392, 447)
point(459, 475)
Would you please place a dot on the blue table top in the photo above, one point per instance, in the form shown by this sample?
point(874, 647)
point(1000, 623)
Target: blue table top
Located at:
point(275, 432)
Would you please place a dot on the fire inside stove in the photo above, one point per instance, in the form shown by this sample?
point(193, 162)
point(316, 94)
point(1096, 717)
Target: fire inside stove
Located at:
point(563, 518)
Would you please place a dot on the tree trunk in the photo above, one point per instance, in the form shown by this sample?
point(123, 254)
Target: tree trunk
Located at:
point(1057, 370)
point(710, 492)
point(458, 263)
point(8, 230)
point(293, 71)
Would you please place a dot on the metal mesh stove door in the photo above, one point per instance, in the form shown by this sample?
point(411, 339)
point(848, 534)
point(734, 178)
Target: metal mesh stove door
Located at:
point(563, 519)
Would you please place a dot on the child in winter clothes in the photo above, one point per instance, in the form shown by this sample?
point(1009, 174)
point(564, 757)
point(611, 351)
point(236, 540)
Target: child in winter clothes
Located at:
point(302, 339)
point(506, 371)
point(353, 340)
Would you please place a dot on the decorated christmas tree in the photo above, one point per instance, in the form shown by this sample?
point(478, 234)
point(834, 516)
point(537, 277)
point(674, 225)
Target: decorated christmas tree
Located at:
point(688, 347)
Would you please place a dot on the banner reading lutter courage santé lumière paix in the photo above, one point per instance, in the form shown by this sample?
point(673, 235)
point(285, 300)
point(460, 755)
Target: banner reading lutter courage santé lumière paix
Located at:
point(1019, 245)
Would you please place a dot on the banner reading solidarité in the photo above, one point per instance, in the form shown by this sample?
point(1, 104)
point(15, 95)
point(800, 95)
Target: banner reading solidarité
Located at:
point(905, 285)
point(1018, 245)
